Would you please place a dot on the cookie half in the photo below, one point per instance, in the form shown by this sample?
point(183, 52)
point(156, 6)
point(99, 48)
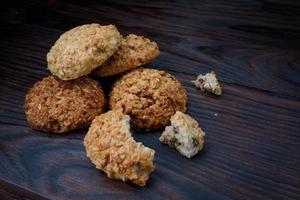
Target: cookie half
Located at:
point(53, 105)
point(133, 52)
point(150, 97)
point(80, 50)
point(110, 146)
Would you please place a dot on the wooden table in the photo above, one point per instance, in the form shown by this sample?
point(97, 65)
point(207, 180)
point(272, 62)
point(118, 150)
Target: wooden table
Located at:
point(252, 149)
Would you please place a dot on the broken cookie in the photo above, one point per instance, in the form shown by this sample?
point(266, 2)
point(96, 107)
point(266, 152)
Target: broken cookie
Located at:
point(208, 83)
point(184, 134)
point(110, 146)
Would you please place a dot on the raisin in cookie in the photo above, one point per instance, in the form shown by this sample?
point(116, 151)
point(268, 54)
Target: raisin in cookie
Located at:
point(184, 135)
point(80, 50)
point(110, 146)
point(53, 105)
point(149, 96)
point(133, 52)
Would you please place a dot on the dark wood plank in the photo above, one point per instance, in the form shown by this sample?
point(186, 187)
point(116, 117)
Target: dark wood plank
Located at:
point(253, 142)
point(9, 191)
point(251, 43)
point(56, 167)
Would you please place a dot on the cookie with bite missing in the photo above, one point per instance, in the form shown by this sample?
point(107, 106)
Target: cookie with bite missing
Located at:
point(111, 147)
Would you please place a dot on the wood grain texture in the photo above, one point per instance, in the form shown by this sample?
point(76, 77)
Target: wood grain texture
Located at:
point(9, 191)
point(252, 145)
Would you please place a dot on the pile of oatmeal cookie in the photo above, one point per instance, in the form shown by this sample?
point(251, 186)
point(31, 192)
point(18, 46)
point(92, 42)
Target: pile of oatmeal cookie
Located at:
point(143, 98)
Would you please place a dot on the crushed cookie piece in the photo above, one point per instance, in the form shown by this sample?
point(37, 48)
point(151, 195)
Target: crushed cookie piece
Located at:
point(209, 83)
point(184, 135)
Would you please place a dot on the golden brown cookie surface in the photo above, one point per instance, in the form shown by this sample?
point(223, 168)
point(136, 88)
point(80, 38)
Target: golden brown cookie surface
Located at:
point(110, 146)
point(53, 105)
point(149, 96)
point(80, 50)
point(133, 52)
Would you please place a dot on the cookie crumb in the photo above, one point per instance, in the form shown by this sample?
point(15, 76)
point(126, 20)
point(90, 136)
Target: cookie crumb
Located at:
point(208, 82)
point(184, 134)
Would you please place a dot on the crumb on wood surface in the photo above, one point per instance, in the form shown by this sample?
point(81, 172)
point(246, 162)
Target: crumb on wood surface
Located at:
point(209, 83)
point(184, 134)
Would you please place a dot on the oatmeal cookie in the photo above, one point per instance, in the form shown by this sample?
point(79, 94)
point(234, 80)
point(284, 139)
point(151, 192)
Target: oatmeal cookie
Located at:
point(184, 135)
point(110, 146)
point(133, 52)
point(80, 50)
point(149, 96)
point(208, 82)
point(53, 105)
